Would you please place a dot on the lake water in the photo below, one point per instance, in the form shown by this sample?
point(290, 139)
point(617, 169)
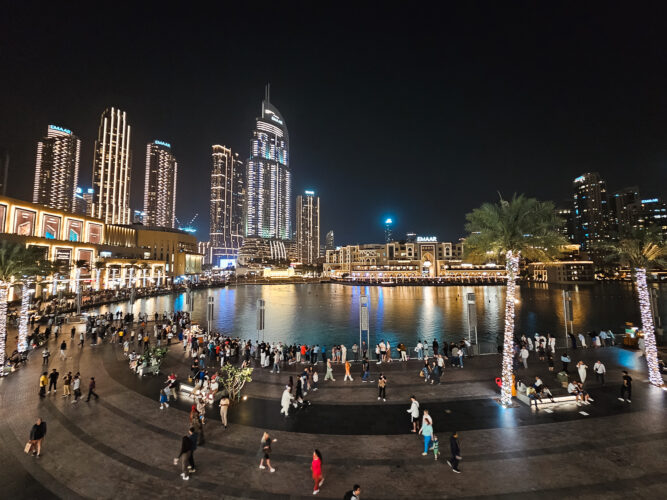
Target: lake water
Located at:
point(329, 313)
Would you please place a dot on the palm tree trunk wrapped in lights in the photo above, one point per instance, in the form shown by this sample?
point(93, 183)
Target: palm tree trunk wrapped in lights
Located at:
point(654, 376)
point(512, 267)
point(3, 324)
point(23, 322)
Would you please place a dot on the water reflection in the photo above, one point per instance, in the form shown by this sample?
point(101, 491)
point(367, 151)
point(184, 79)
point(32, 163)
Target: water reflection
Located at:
point(329, 313)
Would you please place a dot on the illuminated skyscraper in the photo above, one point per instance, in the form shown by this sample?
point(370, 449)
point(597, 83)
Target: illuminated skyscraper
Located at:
point(160, 185)
point(388, 236)
point(57, 169)
point(111, 168)
point(591, 218)
point(329, 243)
point(269, 182)
point(308, 227)
point(227, 203)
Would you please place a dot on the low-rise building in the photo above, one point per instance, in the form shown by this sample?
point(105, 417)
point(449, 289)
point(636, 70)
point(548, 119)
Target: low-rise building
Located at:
point(562, 272)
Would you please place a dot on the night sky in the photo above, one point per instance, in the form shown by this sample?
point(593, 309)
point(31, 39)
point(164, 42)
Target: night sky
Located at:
point(410, 112)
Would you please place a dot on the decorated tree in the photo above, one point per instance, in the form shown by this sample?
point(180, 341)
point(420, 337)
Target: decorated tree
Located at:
point(510, 230)
point(233, 379)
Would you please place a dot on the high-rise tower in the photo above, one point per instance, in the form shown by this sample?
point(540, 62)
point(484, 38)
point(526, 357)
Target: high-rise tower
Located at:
point(57, 169)
point(308, 227)
point(111, 168)
point(591, 218)
point(268, 177)
point(227, 204)
point(160, 185)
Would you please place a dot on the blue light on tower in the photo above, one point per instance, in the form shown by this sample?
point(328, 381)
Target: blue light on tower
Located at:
point(388, 223)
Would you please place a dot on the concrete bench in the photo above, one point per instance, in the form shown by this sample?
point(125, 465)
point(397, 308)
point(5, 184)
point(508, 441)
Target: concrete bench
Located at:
point(569, 398)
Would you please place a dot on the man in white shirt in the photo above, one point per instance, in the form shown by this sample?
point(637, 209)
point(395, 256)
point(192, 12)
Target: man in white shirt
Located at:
point(420, 350)
point(582, 340)
point(524, 357)
point(599, 370)
point(414, 412)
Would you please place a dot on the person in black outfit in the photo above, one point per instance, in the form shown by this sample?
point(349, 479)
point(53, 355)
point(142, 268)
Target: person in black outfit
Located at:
point(185, 453)
point(53, 380)
point(626, 387)
point(435, 347)
point(37, 434)
point(194, 438)
point(353, 494)
point(456, 452)
point(91, 390)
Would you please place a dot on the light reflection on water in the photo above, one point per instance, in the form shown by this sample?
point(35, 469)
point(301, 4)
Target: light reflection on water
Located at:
point(329, 313)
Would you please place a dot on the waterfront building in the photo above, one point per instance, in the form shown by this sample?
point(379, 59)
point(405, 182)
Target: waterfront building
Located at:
point(160, 185)
point(57, 169)
point(329, 241)
point(562, 272)
point(566, 227)
point(111, 168)
point(590, 210)
point(649, 213)
point(621, 214)
point(227, 206)
point(308, 227)
point(268, 177)
point(258, 252)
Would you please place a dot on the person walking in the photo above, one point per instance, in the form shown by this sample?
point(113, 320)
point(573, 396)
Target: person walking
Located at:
point(45, 356)
point(67, 384)
point(164, 400)
point(329, 374)
point(81, 337)
point(63, 349)
point(426, 431)
point(76, 387)
point(37, 434)
point(414, 413)
point(455, 448)
point(43, 382)
point(265, 451)
point(185, 454)
point(599, 370)
point(347, 372)
point(382, 387)
point(286, 398)
point(353, 494)
point(91, 390)
point(365, 369)
point(316, 468)
point(581, 368)
point(224, 407)
point(523, 354)
point(626, 388)
point(53, 381)
point(565, 359)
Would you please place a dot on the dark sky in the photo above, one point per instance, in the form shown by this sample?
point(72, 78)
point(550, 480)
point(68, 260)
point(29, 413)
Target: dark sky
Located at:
point(416, 112)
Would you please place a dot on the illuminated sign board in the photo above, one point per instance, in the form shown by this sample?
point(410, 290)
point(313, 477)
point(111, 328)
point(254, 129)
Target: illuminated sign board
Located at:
point(580, 179)
point(276, 119)
point(650, 200)
point(162, 143)
point(310, 193)
point(60, 129)
point(427, 239)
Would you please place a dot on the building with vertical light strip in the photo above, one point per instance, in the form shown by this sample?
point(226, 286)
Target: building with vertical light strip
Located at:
point(268, 177)
point(227, 205)
point(111, 168)
point(57, 169)
point(308, 227)
point(160, 185)
point(591, 218)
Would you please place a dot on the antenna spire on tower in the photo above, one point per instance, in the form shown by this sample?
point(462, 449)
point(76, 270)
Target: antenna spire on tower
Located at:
point(267, 91)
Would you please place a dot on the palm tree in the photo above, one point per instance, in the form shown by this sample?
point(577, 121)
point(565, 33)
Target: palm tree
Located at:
point(509, 230)
point(640, 250)
point(99, 265)
point(32, 263)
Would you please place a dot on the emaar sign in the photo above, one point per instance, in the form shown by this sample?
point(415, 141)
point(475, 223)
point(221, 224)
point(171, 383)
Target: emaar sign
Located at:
point(427, 239)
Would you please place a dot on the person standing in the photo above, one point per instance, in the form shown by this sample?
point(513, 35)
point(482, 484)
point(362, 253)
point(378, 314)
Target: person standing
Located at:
point(353, 494)
point(91, 390)
point(43, 382)
point(185, 454)
point(329, 374)
point(455, 448)
point(63, 349)
point(67, 381)
point(414, 412)
point(382, 387)
point(265, 451)
point(626, 388)
point(347, 372)
point(45, 356)
point(365, 369)
point(316, 468)
point(53, 381)
point(81, 337)
point(76, 387)
point(355, 352)
point(37, 434)
point(224, 407)
point(599, 370)
point(426, 431)
point(581, 368)
point(523, 354)
point(286, 398)
point(164, 400)
point(565, 359)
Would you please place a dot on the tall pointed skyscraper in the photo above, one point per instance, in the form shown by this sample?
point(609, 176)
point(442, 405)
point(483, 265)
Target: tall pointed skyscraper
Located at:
point(111, 168)
point(57, 169)
point(268, 177)
point(160, 185)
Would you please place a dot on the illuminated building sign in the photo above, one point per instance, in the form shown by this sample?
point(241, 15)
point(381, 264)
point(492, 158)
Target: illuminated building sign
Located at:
point(580, 179)
point(63, 254)
point(276, 119)
point(162, 143)
point(310, 193)
point(388, 221)
point(427, 239)
point(650, 200)
point(60, 129)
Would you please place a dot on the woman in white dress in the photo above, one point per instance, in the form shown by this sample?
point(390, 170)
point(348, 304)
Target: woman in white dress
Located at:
point(581, 368)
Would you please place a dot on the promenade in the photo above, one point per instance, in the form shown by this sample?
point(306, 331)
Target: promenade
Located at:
point(122, 446)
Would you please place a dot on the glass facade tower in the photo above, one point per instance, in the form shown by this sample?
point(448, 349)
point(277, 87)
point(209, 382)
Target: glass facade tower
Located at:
point(57, 169)
point(160, 185)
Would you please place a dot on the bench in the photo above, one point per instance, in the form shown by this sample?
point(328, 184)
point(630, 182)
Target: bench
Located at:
point(559, 397)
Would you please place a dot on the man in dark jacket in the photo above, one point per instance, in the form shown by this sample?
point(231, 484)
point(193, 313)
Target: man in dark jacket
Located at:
point(185, 454)
point(354, 493)
point(91, 390)
point(194, 437)
point(456, 452)
point(53, 380)
point(37, 434)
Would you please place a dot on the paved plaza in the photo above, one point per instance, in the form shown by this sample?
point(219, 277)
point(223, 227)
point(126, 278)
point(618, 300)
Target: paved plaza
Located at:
point(123, 445)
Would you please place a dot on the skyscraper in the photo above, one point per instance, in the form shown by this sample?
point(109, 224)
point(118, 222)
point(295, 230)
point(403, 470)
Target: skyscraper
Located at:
point(329, 243)
point(160, 185)
point(227, 204)
point(590, 210)
point(308, 227)
point(621, 215)
point(57, 169)
point(388, 236)
point(111, 168)
point(269, 182)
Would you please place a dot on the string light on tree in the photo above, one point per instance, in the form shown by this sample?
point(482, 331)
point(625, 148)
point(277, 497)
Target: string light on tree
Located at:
point(647, 327)
point(3, 324)
point(512, 267)
point(23, 323)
